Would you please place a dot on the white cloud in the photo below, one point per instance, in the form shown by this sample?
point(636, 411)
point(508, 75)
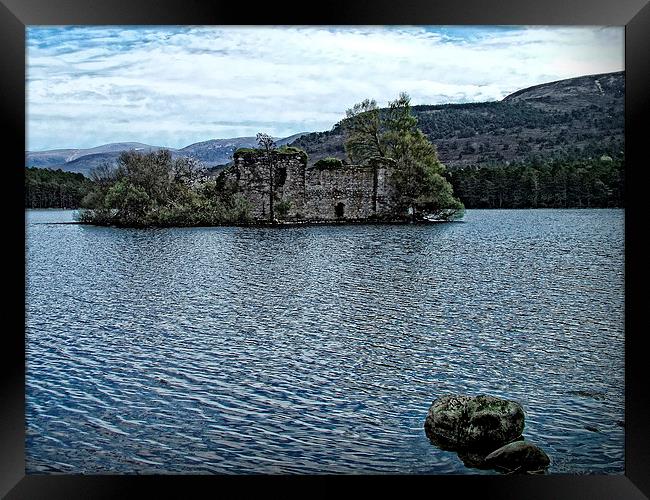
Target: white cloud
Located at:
point(174, 86)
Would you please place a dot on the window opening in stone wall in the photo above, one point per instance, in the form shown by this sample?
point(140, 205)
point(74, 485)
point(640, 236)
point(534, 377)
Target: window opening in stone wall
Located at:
point(280, 176)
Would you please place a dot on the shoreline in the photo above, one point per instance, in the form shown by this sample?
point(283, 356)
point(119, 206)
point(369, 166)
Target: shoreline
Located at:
point(264, 225)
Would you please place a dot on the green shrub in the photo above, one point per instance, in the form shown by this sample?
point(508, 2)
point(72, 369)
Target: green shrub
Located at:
point(282, 208)
point(247, 151)
point(283, 150)
point(289, 150)
point(328, 164)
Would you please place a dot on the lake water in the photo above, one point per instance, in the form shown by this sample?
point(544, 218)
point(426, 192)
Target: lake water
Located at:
point(320, 349)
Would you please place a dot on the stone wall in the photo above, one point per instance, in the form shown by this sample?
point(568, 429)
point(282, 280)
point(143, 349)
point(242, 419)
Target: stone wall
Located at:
point(251, 171)
point(347, 192)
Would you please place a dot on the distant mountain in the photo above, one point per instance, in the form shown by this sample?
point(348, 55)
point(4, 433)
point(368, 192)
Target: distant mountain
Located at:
point(83, 160)
point(603, 91)
point(211, 153)
point(48, 159)
point(577, 118)
point(219, 151)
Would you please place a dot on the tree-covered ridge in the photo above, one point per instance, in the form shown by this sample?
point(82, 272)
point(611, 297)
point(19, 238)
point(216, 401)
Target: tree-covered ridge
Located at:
point(575, 118)
point(45, 188)
point(479, 134)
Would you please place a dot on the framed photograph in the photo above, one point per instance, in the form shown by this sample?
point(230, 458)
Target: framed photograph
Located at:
point(391, 241)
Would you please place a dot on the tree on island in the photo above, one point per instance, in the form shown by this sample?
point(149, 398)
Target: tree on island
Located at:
point(267, 145)
point(421, 188)
point(364, 129)
point(149, 189)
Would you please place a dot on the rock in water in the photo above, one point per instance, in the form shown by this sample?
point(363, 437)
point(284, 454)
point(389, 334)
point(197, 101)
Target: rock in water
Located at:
point(475, 459)
point(465, 422)
point(518, 456)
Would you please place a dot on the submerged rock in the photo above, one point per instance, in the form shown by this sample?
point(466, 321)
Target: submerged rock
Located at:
point(589, 394)
point(466, 422)
point(475, 459)
point(519, 456)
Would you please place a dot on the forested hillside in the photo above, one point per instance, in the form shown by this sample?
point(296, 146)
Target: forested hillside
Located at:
point(45, 188)
point(588, 183)
point(576, 118)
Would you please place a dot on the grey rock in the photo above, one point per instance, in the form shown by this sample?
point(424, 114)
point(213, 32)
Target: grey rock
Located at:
point(460, 422)
point(519, 456)
point(476, 458)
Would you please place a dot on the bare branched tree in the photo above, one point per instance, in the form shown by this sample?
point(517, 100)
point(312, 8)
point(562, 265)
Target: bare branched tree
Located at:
point(187, 171)
point(267, 144)
point(104, 174)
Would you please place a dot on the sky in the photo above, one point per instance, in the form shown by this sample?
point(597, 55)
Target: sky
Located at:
point(174, 86)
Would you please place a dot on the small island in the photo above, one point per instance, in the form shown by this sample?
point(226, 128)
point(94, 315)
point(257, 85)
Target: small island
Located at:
point(395, 177)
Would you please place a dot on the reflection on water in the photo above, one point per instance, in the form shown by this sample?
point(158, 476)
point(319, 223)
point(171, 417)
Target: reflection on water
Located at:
point(320, 349)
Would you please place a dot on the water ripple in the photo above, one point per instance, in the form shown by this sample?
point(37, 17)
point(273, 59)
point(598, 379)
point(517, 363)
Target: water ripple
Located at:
point(230, 350)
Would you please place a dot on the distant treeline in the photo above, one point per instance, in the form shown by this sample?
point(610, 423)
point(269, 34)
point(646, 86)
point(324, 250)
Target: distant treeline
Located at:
point(45, 188)
point(560, 183)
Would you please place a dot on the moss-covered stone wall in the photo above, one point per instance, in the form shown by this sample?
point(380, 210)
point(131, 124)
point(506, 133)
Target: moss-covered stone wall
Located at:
point(338, 192)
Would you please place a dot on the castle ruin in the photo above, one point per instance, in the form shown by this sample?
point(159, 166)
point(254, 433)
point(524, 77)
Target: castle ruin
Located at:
point(327, 191)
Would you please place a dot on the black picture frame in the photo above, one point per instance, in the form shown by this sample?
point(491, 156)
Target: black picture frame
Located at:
point(16, 14)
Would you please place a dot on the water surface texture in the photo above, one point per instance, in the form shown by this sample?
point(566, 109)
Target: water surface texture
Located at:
point(320, 349)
